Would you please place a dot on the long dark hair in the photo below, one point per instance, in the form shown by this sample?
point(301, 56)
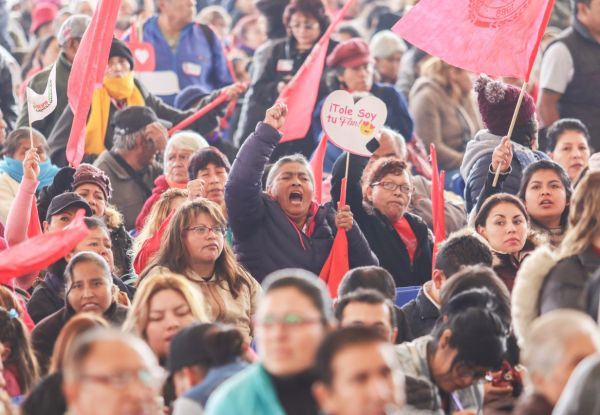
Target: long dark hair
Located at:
point(493, 201)
point(174, 256)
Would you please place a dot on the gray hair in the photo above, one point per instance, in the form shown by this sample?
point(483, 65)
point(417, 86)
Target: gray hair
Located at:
point(184, 140)
point(86, 256)
point(398, 139)
point(294, 158)
point(385, 43)
point(84, 344)
point(123, 141)
point(545, 344)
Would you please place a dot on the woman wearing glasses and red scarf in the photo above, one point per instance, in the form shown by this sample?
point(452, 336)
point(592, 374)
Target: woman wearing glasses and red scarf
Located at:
point(401, 240)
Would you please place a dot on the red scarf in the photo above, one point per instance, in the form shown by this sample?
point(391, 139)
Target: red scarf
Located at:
point(408, 237)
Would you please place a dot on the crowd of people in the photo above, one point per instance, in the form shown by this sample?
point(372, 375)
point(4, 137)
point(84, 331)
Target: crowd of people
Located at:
point(201, 283)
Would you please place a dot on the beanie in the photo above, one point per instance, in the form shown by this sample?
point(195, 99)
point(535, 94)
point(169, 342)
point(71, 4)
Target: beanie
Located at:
point(119, 48)
point(86, 173)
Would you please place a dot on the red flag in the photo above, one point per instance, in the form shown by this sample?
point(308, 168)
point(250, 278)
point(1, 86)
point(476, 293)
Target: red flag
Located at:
point(495, 37)
point(37, 253)
point(437, 204)
point(201, 113)
point(34, 228)
point(337, 263)
point(316, 165)
point(150, 246)
point(88, 71)
point(300, 94)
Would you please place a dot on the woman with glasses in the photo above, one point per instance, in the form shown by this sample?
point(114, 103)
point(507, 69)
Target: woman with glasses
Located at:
point(294, 314)
point(399, 239)
point(275, 64)
point(443, 370)
point(194, 247)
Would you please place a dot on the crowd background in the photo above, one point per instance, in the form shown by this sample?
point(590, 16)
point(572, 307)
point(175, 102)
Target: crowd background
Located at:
point(196, 288)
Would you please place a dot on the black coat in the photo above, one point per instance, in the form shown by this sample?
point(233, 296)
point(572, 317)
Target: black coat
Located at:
point(46, 397)
point(45, 333)
point(421, 315)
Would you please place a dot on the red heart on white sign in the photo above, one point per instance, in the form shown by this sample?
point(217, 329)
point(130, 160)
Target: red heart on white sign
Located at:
point(352, 126)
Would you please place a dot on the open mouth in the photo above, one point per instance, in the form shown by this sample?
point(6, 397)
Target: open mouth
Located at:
point(296, 198)
point(546, 203)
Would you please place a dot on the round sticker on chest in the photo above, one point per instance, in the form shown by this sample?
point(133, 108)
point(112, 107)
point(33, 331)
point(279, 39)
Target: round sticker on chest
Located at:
point(496, 13)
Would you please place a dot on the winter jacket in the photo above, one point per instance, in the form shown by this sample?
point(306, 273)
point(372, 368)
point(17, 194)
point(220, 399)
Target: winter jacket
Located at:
point(8, 191)
point(46, 332)
point(592, 296)
point(249, 392)
point(421, 315)
point(122, 244)
point(421, 391)
point(272, 63)
point(160, 186)
point(442, 121)
point(420, 201)
point(59, 136)
point(564, 286)
point(8, 104)
point(199, 58)
point(580, 394)
point(38, 84)
point(478, 159)
point(506, 266)
point(46, 397)
point(222, 306)
point(265, 239)
point(129, 195)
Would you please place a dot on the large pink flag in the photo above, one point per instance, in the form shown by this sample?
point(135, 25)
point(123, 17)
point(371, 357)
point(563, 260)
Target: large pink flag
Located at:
point(87, 73)
point(300, 94)
point(495, 37)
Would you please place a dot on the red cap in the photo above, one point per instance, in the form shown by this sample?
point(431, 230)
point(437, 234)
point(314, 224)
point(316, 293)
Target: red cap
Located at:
point(349, 54)
point(43, 13)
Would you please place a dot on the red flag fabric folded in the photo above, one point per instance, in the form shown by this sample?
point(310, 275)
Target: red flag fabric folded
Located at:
point(437, 204)
point(337, 263)
point(201, 113)
point(150, 246)
point(300, 94)
point(37, 253)
point(87, 71)
point(495, 37)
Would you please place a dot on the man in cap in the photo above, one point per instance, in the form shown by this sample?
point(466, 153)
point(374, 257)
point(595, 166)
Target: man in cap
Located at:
point(69, 36)
point(131, 165)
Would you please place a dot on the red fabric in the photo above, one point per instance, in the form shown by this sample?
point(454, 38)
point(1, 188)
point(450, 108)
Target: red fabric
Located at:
point(316, 164)
point(37, 253)
point(496, 38)
point(34, 228)
point(408, 237)
point(437, 204)
point(337, 263)
point(160, 186)
point(150, 247)
point(596, 249)
point(87, 72)
point(300, 94)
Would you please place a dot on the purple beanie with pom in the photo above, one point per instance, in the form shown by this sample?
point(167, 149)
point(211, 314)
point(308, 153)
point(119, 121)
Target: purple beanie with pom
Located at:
point(497, 102)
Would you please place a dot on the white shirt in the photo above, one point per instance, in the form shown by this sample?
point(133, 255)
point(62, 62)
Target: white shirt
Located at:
point(557, 68)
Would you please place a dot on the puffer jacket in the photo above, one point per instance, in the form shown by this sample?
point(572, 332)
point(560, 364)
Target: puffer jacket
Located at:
point(265, 239)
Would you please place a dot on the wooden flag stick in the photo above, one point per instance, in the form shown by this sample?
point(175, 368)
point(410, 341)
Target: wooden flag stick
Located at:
point(511, 128)
point(31, 135)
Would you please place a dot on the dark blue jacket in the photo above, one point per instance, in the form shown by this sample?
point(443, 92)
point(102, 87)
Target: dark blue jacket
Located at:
point(265, 240)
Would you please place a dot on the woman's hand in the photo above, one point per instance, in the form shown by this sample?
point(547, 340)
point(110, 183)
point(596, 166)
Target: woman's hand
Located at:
point(344, 218)
point(195, 189)
point(502, 156)
point(31, 164)
point(276, 115)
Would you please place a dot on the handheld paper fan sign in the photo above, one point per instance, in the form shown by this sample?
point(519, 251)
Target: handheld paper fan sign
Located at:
point(494, 37)
point(353, 127)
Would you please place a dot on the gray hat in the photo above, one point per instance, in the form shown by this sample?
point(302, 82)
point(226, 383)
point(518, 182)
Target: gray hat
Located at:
point(73, 28)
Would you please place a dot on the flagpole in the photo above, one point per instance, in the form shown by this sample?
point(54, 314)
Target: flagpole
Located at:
point(30, 133)
point(511, 128)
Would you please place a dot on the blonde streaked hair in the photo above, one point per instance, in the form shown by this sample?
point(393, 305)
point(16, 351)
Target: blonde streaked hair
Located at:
point(439, 71)
point(139, 313)
point(584, 217)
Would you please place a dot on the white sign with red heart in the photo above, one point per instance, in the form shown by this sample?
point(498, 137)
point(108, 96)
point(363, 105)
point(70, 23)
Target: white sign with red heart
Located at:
point(352, 126)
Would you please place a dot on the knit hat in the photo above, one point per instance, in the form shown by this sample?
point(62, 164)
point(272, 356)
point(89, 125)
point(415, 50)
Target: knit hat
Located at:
point(497, 103)
point(73, 28)
point(119, 48)
point(386, 43)
point(86, 173)
point(348, 54)
point(189, 96)
point(42, 13)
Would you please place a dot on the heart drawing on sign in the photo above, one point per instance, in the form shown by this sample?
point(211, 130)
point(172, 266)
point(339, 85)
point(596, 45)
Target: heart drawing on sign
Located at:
point(141, 55)
point(352, 126)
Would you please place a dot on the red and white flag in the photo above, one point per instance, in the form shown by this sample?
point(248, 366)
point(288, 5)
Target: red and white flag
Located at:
point(39, 106)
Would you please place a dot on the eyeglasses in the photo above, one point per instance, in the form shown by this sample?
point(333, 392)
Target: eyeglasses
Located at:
point(150, 379)
point(305, 26)
point(287, 320)
point(465, 372)
point(204, 230)
point(391, 186)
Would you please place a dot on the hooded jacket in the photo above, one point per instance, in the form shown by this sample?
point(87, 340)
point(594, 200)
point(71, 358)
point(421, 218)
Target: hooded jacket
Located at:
point(265, 239)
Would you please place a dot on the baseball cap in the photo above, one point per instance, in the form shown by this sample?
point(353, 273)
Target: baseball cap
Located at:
point(67, 200)
point(42, 13)
point(73, 28)
point(132, 119)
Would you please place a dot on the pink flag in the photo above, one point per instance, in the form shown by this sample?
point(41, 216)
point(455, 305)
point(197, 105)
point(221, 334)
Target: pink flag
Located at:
point(300, 94)
point(495, 37)
point(437, 204)
point(88, 71)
